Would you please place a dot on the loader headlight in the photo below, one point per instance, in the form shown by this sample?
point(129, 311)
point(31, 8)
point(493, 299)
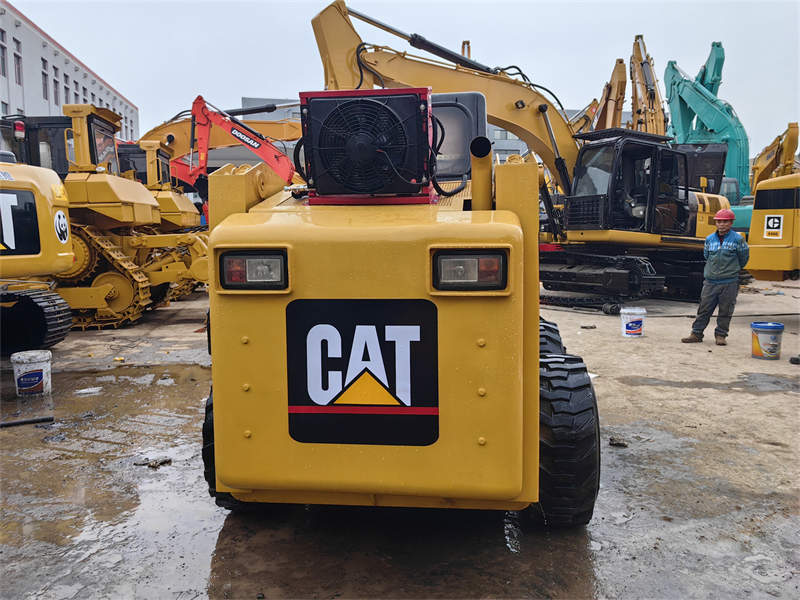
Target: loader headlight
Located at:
point(465, 270)
point(254, 270)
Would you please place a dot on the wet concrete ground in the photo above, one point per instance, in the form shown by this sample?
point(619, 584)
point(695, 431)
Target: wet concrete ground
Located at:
point(703, 501)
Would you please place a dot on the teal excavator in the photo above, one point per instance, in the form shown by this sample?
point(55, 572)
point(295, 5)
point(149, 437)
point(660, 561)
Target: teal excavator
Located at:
point(700, 118)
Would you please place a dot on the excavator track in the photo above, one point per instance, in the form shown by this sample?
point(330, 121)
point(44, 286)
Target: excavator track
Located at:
point(38, 319)
point(649, 283)
point(122, 264)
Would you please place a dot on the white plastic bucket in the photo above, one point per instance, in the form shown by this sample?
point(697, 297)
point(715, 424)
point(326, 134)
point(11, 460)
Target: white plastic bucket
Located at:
point(32, 372)
point(767, 340)
point(632, 321)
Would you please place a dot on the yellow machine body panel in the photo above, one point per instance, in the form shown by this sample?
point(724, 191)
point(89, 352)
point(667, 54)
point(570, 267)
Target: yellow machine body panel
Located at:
point(774, 237)
point(177, 210)
point(122, 201)
point(38, 246)
point(462, 431)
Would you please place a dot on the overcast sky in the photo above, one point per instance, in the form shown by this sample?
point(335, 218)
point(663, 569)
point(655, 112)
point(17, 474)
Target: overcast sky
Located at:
point(161, 55)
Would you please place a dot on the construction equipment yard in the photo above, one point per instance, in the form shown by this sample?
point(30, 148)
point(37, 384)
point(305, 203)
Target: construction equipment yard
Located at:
point(468, 341)
point(698, 493)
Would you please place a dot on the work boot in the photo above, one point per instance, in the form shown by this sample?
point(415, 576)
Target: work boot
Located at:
point(721, 340)
point(693, 337)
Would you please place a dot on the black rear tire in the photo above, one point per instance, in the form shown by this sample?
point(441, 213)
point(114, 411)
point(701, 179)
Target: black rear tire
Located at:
point(550, 341)
point(569, 443)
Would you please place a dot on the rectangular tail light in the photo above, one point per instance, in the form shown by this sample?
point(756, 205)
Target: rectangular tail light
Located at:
point(254, 270)
point(466, 270)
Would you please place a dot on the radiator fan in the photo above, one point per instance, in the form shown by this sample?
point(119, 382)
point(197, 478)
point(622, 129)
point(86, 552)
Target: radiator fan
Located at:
point(365, 143)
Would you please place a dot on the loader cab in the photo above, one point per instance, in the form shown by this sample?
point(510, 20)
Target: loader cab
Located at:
point(628, 181)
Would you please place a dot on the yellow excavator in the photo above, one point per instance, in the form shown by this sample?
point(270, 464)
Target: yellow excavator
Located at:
point(123, 262)
point(35, 244)
point(777, 159)
point(774, 237)
point(629, 226)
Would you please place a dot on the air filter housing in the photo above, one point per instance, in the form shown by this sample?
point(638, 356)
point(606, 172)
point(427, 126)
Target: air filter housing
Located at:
point(359, 142)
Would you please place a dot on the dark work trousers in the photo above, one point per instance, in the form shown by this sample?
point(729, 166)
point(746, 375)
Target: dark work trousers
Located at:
point(713, 295)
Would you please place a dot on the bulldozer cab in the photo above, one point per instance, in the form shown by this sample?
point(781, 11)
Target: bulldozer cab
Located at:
point(151, 165)
point(630, 183)
point(84, 142)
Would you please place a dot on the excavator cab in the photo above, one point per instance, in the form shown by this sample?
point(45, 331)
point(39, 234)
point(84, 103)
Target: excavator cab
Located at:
point(626, 181)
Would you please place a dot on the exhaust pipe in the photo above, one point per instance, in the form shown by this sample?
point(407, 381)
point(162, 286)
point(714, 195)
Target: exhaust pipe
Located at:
point(480, 149)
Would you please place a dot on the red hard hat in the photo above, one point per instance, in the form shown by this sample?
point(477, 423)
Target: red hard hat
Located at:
point(725, 215)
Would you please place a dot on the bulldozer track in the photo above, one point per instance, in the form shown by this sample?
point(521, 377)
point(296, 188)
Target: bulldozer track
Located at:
point(124, 265)
point(55, 312)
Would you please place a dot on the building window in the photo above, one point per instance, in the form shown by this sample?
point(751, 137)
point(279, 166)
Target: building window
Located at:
point(55, 72)
point(93, 98)
point(77, 98)
point(55, 91)
point(45, 80)
point(4, 106)
point(18, 69)
point(44, 65)
point(3, 61)
point(66, 79)
point(20, 111)
point(84, 92)
point(3, 36)
point(17, 45)
point(66, 95)
point(500, 134)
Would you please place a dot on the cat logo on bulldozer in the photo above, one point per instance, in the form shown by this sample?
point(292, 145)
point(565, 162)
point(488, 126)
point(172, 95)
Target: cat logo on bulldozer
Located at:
point(363, 372)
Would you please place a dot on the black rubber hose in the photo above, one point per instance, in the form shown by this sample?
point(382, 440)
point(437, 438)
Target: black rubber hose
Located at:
point(296, 155)
point(26, 421)
point(453, 192)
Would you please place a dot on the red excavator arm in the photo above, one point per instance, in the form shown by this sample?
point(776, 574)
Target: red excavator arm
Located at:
point(204, 116)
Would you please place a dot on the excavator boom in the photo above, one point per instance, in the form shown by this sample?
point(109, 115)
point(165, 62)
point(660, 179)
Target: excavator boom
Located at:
point(609, 114)
point(777, 159)
point(647, 104)
point(700, 117)
point(177, 134)
point(349, 63)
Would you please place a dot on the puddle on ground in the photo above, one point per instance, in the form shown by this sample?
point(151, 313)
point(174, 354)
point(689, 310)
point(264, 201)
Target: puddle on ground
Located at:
point(753, 383)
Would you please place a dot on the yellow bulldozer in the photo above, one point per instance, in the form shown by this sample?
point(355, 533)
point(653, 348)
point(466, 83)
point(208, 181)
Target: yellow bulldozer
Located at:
point(124, 263)
point(35, 244)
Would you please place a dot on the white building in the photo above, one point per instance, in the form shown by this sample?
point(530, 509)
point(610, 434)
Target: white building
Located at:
point(38, 76)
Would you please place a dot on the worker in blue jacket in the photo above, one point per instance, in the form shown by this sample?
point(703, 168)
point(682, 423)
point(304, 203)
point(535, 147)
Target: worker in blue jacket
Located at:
point(726, 254)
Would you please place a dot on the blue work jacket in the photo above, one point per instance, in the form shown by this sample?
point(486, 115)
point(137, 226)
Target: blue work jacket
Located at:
point(725, 258)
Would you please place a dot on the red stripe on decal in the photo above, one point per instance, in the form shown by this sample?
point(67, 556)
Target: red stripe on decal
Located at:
point(364, 410)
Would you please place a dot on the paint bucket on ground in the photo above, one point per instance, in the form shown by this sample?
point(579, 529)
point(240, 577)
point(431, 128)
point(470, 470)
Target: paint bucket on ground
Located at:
point(632, 321)
point(32, 372)
point(767, 340)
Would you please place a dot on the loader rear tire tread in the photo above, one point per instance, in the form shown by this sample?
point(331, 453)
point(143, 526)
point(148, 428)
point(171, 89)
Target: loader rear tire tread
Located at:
point(569, 444)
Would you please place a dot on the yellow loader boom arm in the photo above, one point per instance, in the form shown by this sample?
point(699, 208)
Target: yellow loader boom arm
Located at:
point(511, 104)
